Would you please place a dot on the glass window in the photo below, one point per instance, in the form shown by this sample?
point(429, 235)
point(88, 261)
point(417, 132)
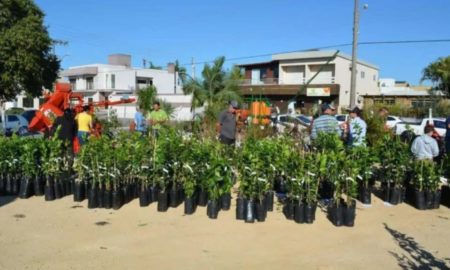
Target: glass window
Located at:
point(374, 77)
point(263, 73)
point(275, 72)
point(27, 102)
point(439, 124)
point(113, 81)
point(12, 118)
point(73, 83)
point(89, 83)
point(363, 74)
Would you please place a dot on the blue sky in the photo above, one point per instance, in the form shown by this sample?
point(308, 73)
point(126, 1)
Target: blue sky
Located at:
point(162, 31)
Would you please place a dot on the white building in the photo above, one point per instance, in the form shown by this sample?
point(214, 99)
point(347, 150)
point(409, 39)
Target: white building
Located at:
point(98, 82)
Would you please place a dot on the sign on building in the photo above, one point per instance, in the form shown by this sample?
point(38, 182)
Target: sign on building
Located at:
point(318, 92)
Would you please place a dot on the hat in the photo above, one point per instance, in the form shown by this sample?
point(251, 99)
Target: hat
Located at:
point(355, 110)
point(234, 104)
point(327, 106)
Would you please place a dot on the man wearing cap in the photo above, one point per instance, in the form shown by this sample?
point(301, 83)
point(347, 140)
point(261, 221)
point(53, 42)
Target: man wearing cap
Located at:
point(326, 123)
point(227, 123)
point(357, 128)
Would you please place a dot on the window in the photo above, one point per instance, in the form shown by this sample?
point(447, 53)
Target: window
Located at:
point(374, 78)
point(73, 84)
point(113, 81)
point(384, 101)
point(12, 118)
point(89, 83)
point(421, 103)
point(363, 74)
point(90, 100)
point(439, 124)
point(275, 72)
point(263, 73)
point(27, 102)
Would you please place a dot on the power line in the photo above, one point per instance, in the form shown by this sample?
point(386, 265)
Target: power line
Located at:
point(329, 47)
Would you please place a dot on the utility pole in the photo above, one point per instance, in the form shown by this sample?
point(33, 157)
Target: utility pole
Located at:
point(354, 53)
point(193, 68)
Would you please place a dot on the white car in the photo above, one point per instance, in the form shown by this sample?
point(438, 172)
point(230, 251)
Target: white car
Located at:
point(287, 122)
point(15, 123)
point(418, 127)
point(392, 121)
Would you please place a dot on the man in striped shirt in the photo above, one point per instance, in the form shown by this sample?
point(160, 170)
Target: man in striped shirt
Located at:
point(325, 123)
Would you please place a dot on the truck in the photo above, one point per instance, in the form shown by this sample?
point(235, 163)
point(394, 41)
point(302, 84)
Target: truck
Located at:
point(417, 127)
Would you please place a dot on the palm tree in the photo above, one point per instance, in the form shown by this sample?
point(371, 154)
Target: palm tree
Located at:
point(217, 88)
point(181, 71)
point(438, 73)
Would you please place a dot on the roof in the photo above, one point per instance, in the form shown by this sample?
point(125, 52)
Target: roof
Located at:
point(405, 91)
point(257, 63)
point(317, 54)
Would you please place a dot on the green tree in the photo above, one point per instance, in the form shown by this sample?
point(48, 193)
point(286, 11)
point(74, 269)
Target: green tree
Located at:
point(216, 88)
point(146, 98)
point(27, 62)
point(438, 73)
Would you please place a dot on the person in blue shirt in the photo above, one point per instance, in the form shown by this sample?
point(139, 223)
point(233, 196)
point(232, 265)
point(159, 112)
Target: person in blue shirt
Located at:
point(139, 120)
point(357, 128)
point(326, 123)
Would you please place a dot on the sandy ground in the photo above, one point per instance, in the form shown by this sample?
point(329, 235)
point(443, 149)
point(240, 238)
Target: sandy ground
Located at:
point(62, 234)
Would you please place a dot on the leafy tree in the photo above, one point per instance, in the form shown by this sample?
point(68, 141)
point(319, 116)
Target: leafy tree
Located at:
point(146, 98)
point(438, 73)
point(26, 59)
point(216, 88)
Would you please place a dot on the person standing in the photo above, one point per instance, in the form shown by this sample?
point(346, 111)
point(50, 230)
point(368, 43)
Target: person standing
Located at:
point(357, 128)
point(447, 136)
point(139, 120)
point(424, 146)
point(84, 122)
point(227, 124)
point(65, 129)
point(326, 123)
point(157, 117)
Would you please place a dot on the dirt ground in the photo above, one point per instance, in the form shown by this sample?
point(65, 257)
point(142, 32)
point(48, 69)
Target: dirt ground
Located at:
point(62, 234)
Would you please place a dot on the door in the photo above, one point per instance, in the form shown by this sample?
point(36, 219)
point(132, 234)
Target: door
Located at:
point(256, 76)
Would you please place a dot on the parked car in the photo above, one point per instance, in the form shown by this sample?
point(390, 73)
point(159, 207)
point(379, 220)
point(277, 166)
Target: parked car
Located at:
point(14, 123)
point(341, 118)
point(29, 114)
point(417, 127)
point(286, 122)
point(392, 121)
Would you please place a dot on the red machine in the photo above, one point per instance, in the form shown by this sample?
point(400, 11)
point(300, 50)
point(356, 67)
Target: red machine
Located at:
point(61, 99)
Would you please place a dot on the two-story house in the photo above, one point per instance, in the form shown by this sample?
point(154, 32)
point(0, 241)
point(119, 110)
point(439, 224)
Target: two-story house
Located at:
point(98, 82)
point(309, 78)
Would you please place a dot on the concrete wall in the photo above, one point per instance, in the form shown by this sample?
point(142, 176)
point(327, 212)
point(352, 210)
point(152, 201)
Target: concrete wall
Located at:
point(364, 86)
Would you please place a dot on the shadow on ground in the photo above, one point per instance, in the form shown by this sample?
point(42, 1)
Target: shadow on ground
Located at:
point(4, 200)
point(418, 257)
